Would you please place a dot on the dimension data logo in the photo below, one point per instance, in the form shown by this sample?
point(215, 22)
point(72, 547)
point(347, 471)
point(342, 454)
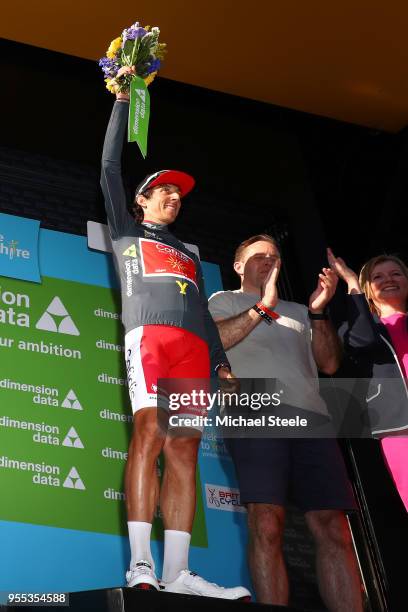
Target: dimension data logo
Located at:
point(72, 439)
point(56, 318)
point(142, 94)
point(71, 401)
point(19, 248)
point(131, 251)
point(73, 480)
point(13, 308)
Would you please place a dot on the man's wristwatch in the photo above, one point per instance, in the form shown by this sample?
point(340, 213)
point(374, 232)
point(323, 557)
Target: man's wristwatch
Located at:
point(318, 316)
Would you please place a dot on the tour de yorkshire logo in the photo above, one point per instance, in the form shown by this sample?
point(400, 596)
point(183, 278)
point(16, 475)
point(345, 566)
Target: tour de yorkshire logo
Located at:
point(11, 249)
point(19, 248)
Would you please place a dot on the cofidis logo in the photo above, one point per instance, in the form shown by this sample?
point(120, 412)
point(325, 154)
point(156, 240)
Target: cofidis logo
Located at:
point(19, 248)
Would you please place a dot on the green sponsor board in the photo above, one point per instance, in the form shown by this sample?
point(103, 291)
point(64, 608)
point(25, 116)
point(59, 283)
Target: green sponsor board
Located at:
point(65, 418)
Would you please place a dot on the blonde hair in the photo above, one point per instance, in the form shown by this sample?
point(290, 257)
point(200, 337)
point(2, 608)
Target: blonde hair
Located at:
point(366, 273)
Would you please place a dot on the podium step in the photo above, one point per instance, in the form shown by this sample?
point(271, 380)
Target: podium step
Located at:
point(134, 600)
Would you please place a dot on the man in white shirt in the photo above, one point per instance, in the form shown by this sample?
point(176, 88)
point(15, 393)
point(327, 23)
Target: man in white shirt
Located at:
point(266, 337)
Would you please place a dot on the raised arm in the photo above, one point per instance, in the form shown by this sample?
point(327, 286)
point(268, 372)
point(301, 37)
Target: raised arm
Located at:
point(119, 219)
point(339, 266)
point(326, 345)
point(359, 331)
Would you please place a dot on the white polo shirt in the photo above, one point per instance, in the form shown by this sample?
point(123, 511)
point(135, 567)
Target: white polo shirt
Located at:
point(281, 350)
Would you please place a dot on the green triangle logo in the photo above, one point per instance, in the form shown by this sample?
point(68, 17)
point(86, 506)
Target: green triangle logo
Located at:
point(131, 251)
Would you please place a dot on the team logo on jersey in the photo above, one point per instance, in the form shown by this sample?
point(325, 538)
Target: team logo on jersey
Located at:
point(163, 260)
point(183, 287)
point(176, 264)
point(131, 251)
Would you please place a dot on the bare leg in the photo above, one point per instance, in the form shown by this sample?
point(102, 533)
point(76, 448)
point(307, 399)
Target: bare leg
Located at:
point(268, 570)
point(145, 446)
point(337, 570)
point(178, 492)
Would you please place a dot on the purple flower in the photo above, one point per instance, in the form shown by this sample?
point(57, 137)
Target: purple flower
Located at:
point(135, 31)
point(109, 67)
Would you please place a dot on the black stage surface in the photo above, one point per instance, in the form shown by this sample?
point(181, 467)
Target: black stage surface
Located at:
point(126, 600)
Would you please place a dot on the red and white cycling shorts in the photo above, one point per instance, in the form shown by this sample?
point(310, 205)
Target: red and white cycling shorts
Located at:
point(154, 352)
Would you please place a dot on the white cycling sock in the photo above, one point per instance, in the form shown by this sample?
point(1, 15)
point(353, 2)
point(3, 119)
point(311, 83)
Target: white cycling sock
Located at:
point(176, 547)
point(139, 539)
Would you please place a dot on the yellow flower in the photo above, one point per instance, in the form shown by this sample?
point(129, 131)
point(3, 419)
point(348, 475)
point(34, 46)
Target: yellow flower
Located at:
point(150, 78)
point(113, 47)
point(111, 85)
point(161, 50)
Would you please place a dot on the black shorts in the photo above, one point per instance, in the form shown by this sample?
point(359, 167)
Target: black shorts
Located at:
point(308, 472)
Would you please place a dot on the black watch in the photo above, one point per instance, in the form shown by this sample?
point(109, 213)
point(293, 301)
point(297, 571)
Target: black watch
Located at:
point(318, 316)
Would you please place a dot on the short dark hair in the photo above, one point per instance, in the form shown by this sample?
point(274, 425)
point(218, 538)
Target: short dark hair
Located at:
point(246, 243)
point(137, 210)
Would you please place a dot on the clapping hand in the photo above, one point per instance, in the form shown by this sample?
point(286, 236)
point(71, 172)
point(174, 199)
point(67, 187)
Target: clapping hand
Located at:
point(339, 266)
point(326, 287)
point(269, 287)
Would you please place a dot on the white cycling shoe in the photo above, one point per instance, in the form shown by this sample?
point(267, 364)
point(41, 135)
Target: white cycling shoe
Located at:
point(142, 576)
point(189, 583)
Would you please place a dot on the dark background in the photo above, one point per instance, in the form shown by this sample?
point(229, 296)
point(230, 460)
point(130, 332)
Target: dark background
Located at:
point(309, 181)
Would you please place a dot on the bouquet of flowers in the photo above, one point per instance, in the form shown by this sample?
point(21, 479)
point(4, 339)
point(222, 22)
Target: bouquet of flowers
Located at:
point(139, 47)
point(136, 46)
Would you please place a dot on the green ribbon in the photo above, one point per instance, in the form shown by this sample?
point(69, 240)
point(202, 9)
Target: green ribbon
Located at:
point(139, 113)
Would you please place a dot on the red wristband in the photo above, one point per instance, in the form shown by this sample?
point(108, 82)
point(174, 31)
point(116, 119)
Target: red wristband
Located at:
point(269, 312)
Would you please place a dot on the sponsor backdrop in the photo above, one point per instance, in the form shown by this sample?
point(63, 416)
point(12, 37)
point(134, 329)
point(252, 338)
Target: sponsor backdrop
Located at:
point(65, 423)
